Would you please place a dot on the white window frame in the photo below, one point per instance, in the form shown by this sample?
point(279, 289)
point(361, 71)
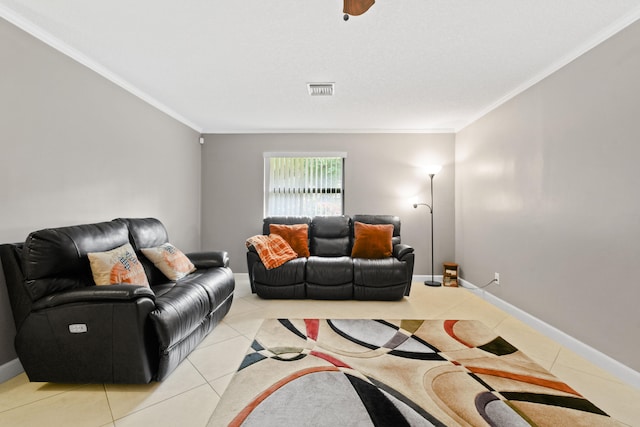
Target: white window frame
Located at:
point(268, 155)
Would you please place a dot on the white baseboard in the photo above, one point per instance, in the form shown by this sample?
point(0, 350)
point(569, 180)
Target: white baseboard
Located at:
point(615, 368)
point(10, 370)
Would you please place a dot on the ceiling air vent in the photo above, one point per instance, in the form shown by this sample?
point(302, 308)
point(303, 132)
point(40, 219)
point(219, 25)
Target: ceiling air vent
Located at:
point(320, 89)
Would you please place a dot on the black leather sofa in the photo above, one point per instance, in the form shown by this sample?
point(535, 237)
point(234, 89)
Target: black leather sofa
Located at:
point(330, 272)
point(69, 330)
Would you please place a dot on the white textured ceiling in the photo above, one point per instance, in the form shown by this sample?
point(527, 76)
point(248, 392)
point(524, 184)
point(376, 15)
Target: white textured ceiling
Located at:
point(242, 65)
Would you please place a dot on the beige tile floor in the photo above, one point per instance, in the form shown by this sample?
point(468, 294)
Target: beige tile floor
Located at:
point(192, 391)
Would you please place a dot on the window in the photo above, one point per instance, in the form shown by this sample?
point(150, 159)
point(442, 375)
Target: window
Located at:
point(307, 184)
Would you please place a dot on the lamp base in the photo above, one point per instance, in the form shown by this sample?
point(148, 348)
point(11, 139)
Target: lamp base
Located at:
point(430, 283)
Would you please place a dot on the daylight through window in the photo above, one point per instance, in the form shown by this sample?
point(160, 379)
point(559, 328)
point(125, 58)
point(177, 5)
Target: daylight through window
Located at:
point(296, 184)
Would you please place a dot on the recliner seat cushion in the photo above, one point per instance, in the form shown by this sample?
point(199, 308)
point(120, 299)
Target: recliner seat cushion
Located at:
point(219, 284)
point(379, 272)
point(182, 305)
point(289, 273)
point(329, 270)
point(178, 312)
point(329, 278)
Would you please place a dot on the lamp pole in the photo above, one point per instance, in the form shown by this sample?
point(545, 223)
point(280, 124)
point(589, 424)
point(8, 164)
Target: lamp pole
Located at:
point(432, 282)
point(432, 172)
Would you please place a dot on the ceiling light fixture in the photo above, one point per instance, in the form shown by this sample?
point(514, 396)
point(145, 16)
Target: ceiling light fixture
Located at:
point(356, 7)
point(320, 89)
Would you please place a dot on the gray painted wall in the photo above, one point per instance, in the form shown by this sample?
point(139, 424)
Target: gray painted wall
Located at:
point(75, 148)
point(546, 196)
point(382, 176)
point(543, 185)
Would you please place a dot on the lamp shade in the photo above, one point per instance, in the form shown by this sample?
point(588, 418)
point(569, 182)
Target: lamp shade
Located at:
point(433, 169)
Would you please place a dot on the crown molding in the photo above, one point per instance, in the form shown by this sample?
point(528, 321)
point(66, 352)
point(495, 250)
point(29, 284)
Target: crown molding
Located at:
point(47, 38)
point(336, 131)
point(602, 36)
point(42, 35)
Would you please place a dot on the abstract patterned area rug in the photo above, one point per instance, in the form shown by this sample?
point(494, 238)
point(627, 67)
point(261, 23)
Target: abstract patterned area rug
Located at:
point(321, 372)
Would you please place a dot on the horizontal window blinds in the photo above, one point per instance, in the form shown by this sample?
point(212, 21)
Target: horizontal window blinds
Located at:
point(305, 186)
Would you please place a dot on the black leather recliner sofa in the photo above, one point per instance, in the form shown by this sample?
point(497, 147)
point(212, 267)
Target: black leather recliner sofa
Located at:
point(330, 272)
point(69, 330)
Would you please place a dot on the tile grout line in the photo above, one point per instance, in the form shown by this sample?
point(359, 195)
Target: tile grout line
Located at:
point(106, 395)
point(198, 371)
point(555, 359)
point(165, 400)
point(253, 335)
point(44, 398)
point(225, 374)
point(240, 334)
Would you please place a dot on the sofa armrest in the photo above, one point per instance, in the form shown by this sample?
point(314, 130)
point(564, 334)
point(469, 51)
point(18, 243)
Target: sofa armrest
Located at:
point(252, 259)
point(90, 335)
point(209, 259)
point(405, 254)
point(402, 250)
point(92, 294)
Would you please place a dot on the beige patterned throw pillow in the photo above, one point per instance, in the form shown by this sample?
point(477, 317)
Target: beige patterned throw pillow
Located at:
point(119, 265)
point(170, 260)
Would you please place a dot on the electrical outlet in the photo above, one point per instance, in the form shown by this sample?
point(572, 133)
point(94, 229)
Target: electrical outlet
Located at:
point(496, 278)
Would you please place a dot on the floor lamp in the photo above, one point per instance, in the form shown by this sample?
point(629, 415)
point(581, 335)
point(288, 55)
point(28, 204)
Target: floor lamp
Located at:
point(432, 171)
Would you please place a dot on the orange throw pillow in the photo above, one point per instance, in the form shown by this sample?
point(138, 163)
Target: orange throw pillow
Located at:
point(297, 236)
point(372, 241)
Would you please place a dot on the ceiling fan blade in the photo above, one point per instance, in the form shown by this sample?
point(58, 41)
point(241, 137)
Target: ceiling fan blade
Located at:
point(357, 7)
